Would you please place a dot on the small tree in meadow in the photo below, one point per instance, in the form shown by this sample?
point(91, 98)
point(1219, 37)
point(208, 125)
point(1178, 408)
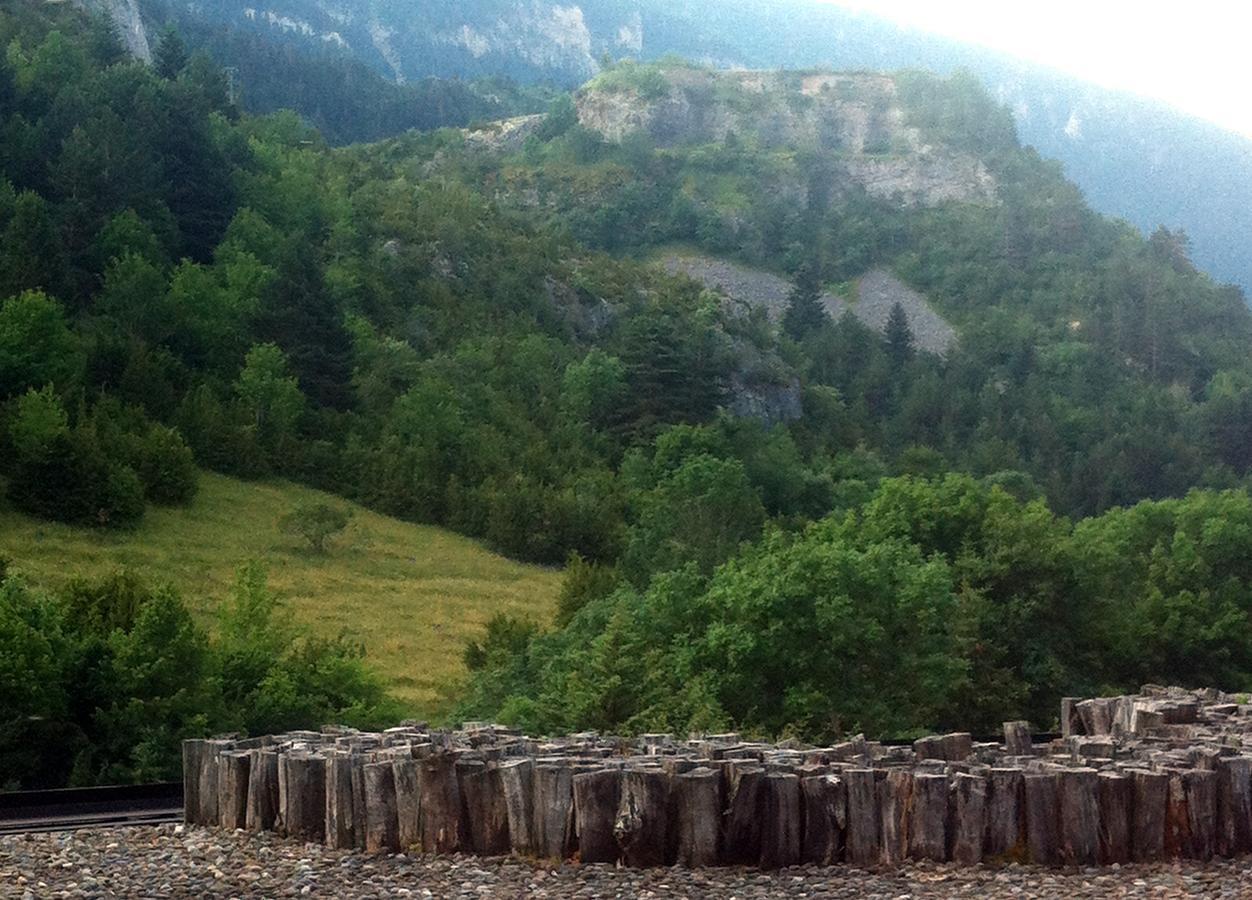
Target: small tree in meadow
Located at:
point(317, 523)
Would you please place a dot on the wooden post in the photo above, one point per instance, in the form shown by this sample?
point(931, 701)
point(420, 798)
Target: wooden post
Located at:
point(969, 805)
point(554, 809)
point(1042, 794)
point(742, 844)
point(596, 799)
point(1115, 795)
point(302, 795)
point(1147, 836)
point(382, 829)
point(863, 835)
point(1079, 817)
point(698, 795)
point(895, 808)
point(484, 816)
point(340, 823)
point(1006, 830)
point(1201, 788)
point(1234, 805)
point(262, 813)
point(408, 802)
point(206, 790)
point(1071, 723)
point(1017, 740)
point(825, 799)
point(780, 821)
point(193, 751)
point(642, 823)
point(232, 788)
point(517, 781)
point(439, 804)
point(928, 821)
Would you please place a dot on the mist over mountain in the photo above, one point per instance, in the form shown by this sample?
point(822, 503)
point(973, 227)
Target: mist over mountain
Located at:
point(1133, 158)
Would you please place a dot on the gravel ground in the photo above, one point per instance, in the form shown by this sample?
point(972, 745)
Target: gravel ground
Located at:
point(170, 861)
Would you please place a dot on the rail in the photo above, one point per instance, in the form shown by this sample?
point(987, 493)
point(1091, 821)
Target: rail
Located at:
point(68, 809)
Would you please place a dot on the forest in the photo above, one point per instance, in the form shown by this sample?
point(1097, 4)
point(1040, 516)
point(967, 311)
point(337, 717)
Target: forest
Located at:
point(1057, 506)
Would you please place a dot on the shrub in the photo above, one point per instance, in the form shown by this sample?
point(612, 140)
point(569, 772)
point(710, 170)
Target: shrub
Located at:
point(316, 522)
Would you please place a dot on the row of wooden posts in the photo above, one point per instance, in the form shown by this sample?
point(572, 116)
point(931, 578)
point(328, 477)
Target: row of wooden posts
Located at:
point(722, 801)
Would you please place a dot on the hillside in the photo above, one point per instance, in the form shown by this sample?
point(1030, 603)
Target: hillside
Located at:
point(413, 595)
point(1132, 158)
point(468, 329)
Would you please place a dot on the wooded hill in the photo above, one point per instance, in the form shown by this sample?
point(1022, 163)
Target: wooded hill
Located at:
point(464, 329)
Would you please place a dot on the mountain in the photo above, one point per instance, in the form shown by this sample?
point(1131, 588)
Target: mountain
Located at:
point(1133, 158)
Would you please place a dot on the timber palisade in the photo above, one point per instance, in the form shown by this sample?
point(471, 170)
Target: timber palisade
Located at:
point(1158, 775)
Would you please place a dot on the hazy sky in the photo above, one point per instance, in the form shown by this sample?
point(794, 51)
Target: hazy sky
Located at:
point(1193, 55)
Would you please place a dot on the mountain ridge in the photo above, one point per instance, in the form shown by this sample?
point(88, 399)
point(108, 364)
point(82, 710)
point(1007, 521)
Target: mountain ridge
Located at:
point(1134, 158)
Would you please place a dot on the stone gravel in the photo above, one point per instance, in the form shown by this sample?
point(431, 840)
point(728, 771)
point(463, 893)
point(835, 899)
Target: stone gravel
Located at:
point(175, 861)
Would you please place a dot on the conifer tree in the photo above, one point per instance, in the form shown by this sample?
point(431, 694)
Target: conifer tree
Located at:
point(805, 313)
point(899, 336)
point(170, 57)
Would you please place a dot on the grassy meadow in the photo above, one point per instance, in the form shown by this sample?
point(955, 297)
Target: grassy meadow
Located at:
point(411, 594)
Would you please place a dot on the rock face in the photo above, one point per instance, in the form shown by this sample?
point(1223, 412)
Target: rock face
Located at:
point(876, 292)
point(127, 21)
point(857, 118)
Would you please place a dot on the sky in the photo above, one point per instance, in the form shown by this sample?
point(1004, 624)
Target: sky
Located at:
point(1193, 55)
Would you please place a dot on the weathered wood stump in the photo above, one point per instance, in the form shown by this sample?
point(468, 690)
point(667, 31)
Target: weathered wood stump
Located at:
point(1079, 817)
point(928, 819)
point(597, 796)
point(780, 821)
point(262, 813)
point(439, 804)
point(969, 818)
point(825, 819)
point(484, 813)
point(895, 808)
point(341, 825)
point(232, 788)
point(1234, 805)
point(302, 795)
point(554, 810)
point(1017, 740)
point(1042, 795)
point(382, 825)
point(742, 832)
point(642, 827)
point(517, 781)
point(408, 802)
point(1006, 827)
point(1147, 835)
point(1115, 797)
point(698, 797)
point(862, 840)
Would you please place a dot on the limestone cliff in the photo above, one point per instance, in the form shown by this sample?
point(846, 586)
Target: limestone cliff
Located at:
point(857, 118)
point(128, 23)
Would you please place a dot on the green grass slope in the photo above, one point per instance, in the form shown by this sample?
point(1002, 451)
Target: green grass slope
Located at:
point(411, 594)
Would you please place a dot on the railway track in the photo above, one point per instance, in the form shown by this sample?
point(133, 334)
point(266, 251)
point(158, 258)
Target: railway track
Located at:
point(102, 807)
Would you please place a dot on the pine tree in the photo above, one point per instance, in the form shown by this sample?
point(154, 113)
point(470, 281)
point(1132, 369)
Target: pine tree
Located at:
point(899, 335)
point(805, 313)
point(170, 57)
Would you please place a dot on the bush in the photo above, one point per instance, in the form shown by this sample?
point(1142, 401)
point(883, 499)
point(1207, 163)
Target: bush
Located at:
point(316, 522)
point(167, 468)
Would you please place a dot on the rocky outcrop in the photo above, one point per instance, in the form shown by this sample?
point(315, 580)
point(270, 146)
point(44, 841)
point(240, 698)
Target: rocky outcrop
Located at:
point(856, 118)
point(127, 22)
point(877, 291)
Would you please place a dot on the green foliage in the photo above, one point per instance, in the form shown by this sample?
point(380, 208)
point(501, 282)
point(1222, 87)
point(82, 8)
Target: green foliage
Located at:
point(805, 313)
point(583, 582)
point(317, 523)
point(37, 347)
point(103, 682)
